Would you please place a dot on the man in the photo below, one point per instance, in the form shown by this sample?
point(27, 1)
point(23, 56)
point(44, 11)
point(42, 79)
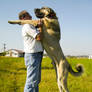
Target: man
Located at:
point(33, 53)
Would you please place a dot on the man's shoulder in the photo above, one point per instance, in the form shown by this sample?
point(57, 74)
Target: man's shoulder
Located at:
point(29, 26)
point(26, 25)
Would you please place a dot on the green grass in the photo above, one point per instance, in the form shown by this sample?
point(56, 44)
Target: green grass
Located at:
point(13, 76)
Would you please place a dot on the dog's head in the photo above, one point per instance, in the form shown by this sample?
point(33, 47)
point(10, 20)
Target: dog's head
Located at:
point(45, 12)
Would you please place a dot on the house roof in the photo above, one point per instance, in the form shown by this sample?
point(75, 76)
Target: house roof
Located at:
point(19, 51)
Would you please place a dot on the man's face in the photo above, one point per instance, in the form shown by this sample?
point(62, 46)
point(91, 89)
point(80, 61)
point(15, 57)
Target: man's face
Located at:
point(26, 17)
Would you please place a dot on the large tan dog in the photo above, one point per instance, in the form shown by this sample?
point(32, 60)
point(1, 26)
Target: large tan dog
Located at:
point(50, 42)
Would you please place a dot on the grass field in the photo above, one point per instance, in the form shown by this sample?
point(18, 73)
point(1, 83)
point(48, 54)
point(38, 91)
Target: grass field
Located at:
point(13, 76)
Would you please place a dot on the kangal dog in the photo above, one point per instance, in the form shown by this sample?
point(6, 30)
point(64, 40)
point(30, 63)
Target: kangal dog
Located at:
point(50, 42)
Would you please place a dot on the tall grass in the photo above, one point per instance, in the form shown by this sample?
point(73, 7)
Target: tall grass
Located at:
point(13, 76)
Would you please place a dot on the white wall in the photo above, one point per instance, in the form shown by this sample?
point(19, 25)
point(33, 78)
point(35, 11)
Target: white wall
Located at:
point(90, 57)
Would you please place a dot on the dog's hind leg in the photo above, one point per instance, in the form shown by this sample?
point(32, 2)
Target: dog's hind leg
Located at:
point(65, 85)
point(59, 80)
point(59, 86)
point(54, 65)
point(62, 77)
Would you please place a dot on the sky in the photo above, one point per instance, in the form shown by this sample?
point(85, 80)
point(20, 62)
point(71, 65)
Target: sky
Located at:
point(74, 16)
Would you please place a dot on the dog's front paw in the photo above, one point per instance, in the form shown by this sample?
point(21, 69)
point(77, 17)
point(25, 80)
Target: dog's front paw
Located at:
point(14, 22)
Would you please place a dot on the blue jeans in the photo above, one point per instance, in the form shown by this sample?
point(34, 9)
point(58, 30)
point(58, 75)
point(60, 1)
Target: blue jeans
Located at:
point(33, 64)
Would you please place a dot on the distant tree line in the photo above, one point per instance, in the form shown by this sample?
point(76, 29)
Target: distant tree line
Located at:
point(3, 54)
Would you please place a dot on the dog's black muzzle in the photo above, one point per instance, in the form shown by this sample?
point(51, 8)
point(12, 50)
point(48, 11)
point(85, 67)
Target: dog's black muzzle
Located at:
point(38, 13)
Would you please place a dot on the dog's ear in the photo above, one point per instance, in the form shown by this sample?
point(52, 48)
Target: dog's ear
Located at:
point(52, 15)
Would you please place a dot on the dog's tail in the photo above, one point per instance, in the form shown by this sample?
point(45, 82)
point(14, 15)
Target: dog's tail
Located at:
point(79, 69)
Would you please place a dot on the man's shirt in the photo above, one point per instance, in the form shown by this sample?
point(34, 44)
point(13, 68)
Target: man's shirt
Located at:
point(31, 45)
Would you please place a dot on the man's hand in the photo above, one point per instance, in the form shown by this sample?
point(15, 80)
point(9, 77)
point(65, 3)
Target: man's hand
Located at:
point(39, 26)
point(39, 23)
point(39, 37)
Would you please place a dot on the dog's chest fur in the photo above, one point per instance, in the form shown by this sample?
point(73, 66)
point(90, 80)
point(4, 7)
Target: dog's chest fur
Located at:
point(51, 28)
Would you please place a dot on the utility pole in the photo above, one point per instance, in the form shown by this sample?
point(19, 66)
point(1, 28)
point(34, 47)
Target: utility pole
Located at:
point(4, 47)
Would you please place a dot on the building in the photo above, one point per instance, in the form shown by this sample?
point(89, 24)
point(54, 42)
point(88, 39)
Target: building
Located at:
point(14, 53)
point(90, 56)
